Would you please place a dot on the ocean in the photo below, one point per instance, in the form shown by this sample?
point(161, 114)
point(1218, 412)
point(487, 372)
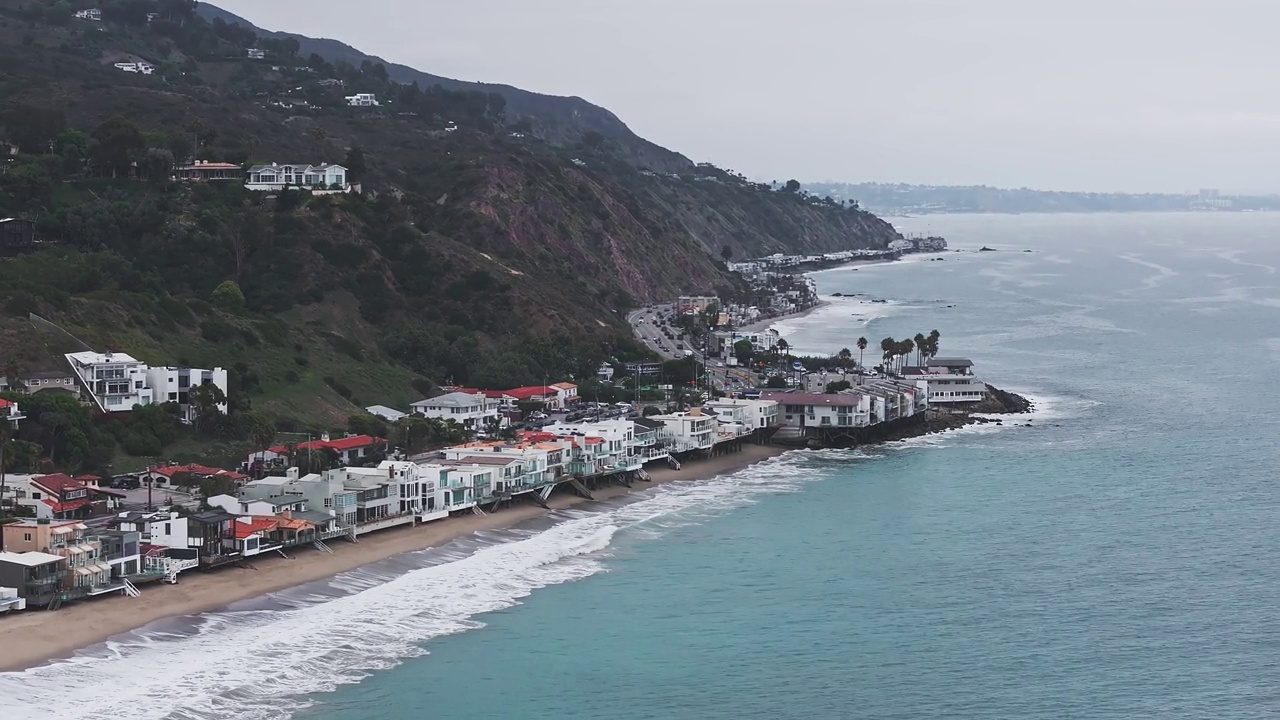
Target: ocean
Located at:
point(1113, 555)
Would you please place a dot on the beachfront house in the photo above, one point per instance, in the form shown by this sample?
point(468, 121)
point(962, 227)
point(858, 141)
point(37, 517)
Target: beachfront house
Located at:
point(690, 431)
point(38, 577)
point(838, 410)
point(88, 571)
point(209, 533)
point(951, 381)
point(754, 415)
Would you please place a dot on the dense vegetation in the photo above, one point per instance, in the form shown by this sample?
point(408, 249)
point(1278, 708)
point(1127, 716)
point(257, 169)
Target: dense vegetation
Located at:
point(476, 254)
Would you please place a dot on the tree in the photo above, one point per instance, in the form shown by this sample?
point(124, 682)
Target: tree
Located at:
point(33, 128)
point(776, 382)
point(355, 163)
point(845, 355)
point(726, 253)
point(217, 485)
point(837, 386)
point(862, 346)
point(904, 351)
point(887, 347)
point(743, 351)
point(921, 346)
point(791, 186)
point(933, 338)
point(113, 145)
point(228, 296)
point(204, 400)
point(783, 346)
point(157, 164)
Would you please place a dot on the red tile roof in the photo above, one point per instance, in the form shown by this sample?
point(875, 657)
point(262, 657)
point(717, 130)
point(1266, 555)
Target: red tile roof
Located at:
point(346, 443)
point(524, 393)
point(58, 483)
point(7, 403)
point(65, 507)
point(243, 529)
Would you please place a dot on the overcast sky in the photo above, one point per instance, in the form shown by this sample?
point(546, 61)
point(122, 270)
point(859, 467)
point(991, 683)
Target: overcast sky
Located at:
point(1132, 95)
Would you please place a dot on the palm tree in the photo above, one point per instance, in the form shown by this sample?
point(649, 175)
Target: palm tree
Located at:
point(934, 335)
point(904, 351)
point(862, 346)
point(782, 347)
point(844, 355)
point(921, 342)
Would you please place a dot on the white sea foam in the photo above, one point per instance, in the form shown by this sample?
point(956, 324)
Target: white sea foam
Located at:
point(255, 664)
point(1162, 272)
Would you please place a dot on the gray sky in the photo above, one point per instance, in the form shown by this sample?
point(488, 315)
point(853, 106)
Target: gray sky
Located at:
point(1131, 95)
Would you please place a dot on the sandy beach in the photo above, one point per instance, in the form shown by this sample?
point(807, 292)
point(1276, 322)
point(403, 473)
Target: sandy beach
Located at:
point(33, 638)
point(770, 322)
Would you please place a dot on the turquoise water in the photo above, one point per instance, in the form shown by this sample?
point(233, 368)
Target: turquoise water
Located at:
point(1115, 556)
point(1115, 559)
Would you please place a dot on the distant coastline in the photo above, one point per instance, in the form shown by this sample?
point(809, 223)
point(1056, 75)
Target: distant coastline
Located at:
point(898, 200)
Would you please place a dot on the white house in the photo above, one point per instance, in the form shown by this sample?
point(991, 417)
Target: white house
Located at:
point(362, 100)
point(118, 381)
point(141, 66)
point(255, 53)
point(951, 381)
point(838, 410)
point(384, 412)
point(751, 414)
point(115, 381)
point(567, 391)
point(318, 178)
point(470, 410)
point(693, 430)
point(170, 384)
point(93, 14)
point(276, 506)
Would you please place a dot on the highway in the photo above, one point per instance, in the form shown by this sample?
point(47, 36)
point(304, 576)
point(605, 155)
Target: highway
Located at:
point(647, 326)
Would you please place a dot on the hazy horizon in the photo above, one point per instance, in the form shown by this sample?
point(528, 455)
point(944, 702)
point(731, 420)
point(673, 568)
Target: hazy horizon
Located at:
point(1121, 96)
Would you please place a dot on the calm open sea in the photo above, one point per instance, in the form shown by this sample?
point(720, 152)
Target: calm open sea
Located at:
point(1116, 556)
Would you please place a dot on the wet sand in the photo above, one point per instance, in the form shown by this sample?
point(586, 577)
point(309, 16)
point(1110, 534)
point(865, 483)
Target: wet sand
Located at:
point(35, 637)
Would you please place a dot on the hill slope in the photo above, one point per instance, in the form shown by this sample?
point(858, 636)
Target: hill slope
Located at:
point(477, 253)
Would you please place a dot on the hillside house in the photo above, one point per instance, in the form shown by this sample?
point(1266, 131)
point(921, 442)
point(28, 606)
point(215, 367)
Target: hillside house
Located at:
point(16, 236)
point(91, 14)
point(317, 178)
point(362, 100)
point(41, 381)
point(470, 410)
point(205, 171)
point(141, 66)
point(255, 53)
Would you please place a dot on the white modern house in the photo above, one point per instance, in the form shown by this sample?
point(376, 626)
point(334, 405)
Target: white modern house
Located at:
point(692, 430)
point(951, 381)
point(92, 14)
point(255, 53)
point(170, 384)
point(362, 100)
point(317, 178)
point(751, 414)
point(115, 381)
point(118, 381)
point(470, 410)
point(141, 66)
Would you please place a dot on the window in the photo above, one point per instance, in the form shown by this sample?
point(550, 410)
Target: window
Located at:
point(26, 537)
point(114, 401)
point(166, 528)
point(328, 502)
point(35, 496)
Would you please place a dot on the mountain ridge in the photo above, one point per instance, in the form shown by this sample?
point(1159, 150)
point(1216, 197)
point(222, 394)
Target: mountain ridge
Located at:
point(558, 119)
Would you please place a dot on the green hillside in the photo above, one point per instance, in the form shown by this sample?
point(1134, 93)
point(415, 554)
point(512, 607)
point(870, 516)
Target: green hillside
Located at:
point(483, 254)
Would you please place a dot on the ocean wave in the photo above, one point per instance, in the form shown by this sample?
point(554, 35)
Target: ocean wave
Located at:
point(255, 664)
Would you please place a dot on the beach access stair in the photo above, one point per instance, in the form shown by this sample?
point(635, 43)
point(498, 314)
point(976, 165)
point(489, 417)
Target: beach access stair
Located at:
point(320, 545)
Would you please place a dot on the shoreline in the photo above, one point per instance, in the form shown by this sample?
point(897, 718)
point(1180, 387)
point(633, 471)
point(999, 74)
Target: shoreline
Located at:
point(39, 638)
point(768, 323)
